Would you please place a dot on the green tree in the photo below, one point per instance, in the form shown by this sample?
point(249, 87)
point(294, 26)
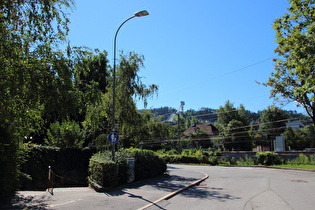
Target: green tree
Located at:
point(299, 139)
point(68, 134)
point(29, 31)
point(235, 130)
point(91, 74)
point(273, 121)
point(294, 75)
point(129, 90)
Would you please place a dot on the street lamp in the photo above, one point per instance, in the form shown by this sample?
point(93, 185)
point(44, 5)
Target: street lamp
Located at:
point(137, 14)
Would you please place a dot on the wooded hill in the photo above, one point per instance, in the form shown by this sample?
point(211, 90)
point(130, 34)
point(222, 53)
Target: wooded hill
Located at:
point(208, 114)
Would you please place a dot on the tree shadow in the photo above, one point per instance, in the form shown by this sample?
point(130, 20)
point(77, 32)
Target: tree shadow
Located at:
point(204, 192)
point(166, 183)
point(27, 202)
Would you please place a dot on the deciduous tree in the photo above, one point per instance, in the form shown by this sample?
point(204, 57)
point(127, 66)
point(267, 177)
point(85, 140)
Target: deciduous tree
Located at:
point(294, 77)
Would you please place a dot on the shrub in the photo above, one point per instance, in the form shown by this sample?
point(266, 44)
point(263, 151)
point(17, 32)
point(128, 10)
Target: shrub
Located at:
point(147, 164)
point(268, 158)
point(312, 159)
point(70, 163)
point(245, 162)
point(102, 143)
point(108, 174)
point(213, 160)
point(8, 161)
point(68, 134)
point(302, 159)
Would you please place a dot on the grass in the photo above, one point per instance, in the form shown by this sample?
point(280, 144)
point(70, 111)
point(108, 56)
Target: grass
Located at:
point(296, 166)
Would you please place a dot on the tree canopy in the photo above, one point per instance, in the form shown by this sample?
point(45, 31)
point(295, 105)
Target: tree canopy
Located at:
point(294, 77)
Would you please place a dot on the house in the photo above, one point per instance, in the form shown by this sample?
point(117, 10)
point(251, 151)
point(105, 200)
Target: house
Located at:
point(203, 134)
point(195, 128)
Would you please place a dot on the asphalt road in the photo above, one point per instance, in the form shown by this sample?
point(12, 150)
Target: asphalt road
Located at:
point(226, 188)
point(248, 188)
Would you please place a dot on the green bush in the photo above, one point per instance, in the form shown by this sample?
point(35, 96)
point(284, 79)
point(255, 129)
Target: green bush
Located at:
point(8, 162)
point(245, 162)
point(68, 134)
point(104, 173)
point(197, 156)
point(108, 174)
point(268, 158)
point(113, 174)
point(69, 163)
point(302, 159)
point(312, 159)
point(147, 164)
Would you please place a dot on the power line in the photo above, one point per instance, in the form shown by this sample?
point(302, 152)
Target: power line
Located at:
point(223, 75)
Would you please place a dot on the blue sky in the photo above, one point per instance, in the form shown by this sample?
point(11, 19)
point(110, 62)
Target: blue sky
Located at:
point(203, 52)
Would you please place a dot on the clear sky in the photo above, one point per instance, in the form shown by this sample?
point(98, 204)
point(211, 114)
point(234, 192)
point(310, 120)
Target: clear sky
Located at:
point(203, 52)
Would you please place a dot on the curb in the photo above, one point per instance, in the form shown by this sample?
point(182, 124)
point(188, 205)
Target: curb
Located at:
point(176, 192)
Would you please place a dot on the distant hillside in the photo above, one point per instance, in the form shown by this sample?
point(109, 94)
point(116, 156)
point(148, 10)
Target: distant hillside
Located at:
point(208, 114)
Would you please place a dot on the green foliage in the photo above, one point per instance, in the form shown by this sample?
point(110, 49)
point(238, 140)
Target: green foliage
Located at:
point(108, 174)
point(70, 163)
point(102, 143)
point(104, 173)
point(29, 30)
point(68, 134)
point(294, 75)
point(197, 156)
point(235, 133)
point(147, 165)
point(96, 120)
point(246, 161)
point(303, 160)
point(268, 158)
point(8, 162)
point(298, 139)
point(274, 121)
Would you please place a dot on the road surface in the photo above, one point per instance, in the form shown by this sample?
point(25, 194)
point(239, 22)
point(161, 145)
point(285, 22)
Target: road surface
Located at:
point(225, 188)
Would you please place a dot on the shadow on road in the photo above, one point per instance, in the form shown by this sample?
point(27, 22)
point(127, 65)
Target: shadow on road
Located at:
point(26, 202)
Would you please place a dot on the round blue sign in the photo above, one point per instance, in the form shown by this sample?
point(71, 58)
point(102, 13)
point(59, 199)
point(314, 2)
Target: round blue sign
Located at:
point(113, 138)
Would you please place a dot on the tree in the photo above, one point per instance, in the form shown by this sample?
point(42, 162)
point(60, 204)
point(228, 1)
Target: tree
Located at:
point(235, 133)
point(273, 121)
point(129, 90)
point(294, 69)
point(299, 139)
point(29, 30)
point(91, 74)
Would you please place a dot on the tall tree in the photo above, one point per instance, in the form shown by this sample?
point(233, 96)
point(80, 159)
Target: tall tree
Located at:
point(293, 78)
point(129, 90)
point(29, 31)
point(273, 121)
point(235, 123)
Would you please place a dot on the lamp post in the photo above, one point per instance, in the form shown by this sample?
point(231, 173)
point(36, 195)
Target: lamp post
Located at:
point(137, 14)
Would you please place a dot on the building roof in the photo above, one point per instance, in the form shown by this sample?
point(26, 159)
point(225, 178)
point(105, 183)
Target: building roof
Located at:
point(208, 128)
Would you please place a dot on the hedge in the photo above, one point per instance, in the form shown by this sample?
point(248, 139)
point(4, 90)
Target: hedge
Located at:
point(70, 163)
point(105, 174)
point(8, 162)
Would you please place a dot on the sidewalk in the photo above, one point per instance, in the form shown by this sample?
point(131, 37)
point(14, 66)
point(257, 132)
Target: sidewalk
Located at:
point(138, 195)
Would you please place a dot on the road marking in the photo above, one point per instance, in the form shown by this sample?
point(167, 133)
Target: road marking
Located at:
point(176, 192)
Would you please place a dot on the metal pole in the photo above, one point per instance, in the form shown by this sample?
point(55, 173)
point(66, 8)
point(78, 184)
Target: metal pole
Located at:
point(179, 144)
point(114, 86)
point(138, 14)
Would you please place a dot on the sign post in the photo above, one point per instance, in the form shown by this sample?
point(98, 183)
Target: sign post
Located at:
point(113, 138)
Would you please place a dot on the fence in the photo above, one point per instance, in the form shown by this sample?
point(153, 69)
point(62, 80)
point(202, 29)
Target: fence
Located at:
point(55, 180)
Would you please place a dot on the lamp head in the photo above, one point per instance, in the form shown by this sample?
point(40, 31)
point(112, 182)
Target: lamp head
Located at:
point(141, 13)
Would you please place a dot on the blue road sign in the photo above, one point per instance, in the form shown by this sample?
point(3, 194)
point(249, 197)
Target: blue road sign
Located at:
point(113, 138)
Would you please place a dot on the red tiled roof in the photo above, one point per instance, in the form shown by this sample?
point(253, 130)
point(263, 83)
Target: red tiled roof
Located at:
point(209, 129)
